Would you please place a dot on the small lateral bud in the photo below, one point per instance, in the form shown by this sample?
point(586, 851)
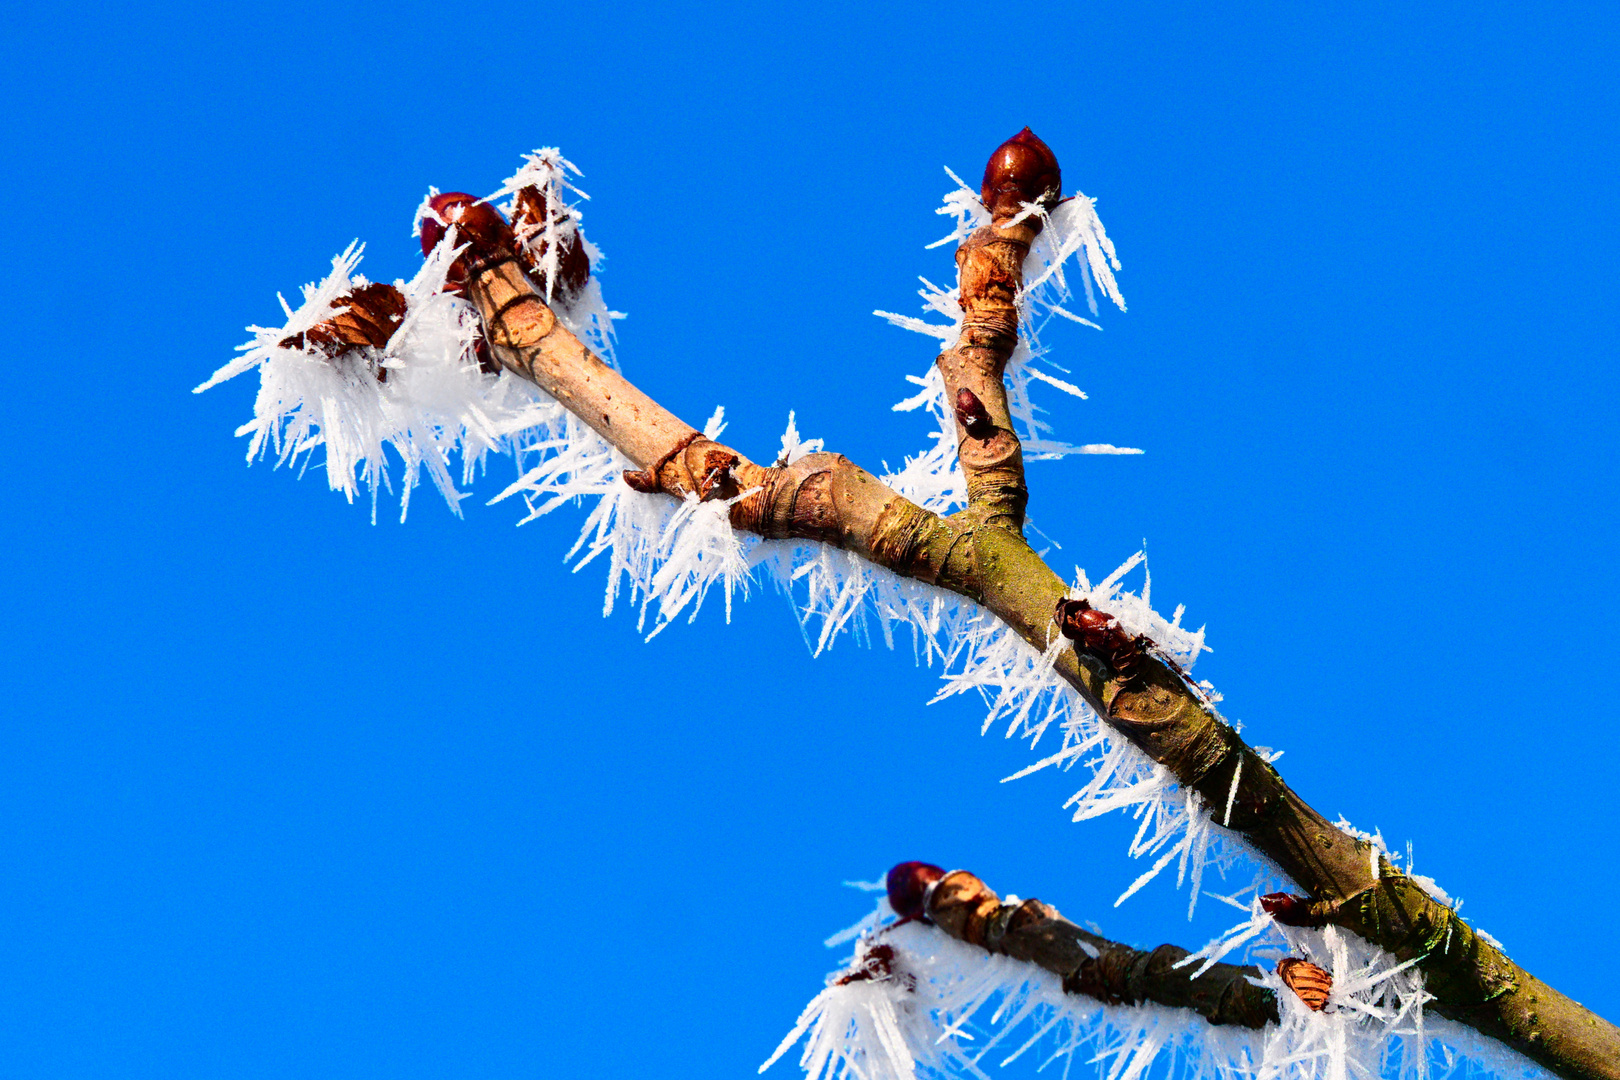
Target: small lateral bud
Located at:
point(1082, 623)
point(1101, 635)
point(529, 222)
point(1022, 170)
point(642, 480)
point(478, 225)
point(972, 415)
point(372, 314)
point(908, 887)
point(1288, 909)
point(1310, 983)
point(717, 479)
point(877, 964)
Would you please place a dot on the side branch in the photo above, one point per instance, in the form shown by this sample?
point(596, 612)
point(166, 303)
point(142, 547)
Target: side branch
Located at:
point(990, 274)
point(1089, 964)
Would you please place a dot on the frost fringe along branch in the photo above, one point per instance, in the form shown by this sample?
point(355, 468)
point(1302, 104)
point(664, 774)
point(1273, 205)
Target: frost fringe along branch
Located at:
point(504, 346)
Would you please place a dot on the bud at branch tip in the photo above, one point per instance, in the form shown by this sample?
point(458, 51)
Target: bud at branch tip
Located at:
point(1022, 170)
point(908, 885)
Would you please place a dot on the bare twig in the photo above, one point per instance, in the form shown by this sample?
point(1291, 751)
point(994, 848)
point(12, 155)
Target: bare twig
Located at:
point(964, 907)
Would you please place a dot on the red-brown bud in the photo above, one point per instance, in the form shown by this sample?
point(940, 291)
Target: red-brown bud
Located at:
point(717, 479)
point(478, 225)
point(908, 887)
point(1288, 909)
point(1305, 979)
point(528, 222)
point(373, 312)
point(642, 480)
point(1101, 635)
point(1081, 622)
point(972, 415)
point(1022, 170)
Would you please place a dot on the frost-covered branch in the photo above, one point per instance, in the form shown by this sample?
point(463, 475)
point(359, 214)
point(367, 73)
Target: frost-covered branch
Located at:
point(1022, 183)
point(960, 976)
point(825, 497)
point(358, 375)
point(965, 908)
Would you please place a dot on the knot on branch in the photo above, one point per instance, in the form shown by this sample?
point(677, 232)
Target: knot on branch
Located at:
point(963, 906)
point(989, 273)
point(1107, 976)
point(897, 536)
point(649, 481)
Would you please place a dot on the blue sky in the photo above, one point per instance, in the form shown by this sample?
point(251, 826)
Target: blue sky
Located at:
point(283, 793)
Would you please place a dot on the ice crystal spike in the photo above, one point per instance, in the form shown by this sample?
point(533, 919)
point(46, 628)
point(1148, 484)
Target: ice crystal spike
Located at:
point(1022, 170)
point(908, 885)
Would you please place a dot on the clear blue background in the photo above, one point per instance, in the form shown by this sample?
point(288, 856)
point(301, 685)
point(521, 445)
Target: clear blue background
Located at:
point(286, 794)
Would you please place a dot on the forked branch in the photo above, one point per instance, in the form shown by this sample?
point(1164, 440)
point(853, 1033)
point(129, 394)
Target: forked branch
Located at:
point(982, 555)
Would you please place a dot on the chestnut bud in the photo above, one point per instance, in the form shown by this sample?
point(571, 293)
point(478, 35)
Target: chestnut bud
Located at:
point(1288, 909)
point(1080, 622)
point(478, 225)
point(1022, 170)
point(908, 885)
point(529, 222)
point(972, 415)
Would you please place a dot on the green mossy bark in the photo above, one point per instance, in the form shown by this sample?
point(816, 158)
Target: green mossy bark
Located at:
point(1472, 981)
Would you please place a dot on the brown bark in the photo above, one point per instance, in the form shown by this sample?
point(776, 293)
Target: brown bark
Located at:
point(965, 908)
point(981, 554)
point(990, 271)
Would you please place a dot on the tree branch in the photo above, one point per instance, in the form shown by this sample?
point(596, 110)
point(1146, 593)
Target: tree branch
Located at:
point(965, 908)
point(982, 556)
point(990, 273)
